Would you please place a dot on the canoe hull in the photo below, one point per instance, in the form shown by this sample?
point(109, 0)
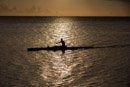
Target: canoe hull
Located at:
point(58, 48)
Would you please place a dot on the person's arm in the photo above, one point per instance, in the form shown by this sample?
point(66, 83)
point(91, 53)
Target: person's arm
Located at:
point(58, 42)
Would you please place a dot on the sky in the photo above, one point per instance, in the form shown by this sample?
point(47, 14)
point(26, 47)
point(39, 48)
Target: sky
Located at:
point(64, 7)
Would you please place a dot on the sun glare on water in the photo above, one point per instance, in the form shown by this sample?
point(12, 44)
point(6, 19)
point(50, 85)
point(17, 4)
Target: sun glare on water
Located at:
point(59, 67)
point(59, 70)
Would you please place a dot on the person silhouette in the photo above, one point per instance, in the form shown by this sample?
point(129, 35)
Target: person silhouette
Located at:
point(63, 46)
point(62, 42)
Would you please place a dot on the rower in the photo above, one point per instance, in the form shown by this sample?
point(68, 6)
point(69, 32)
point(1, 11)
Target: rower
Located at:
point(63, 45)
point(62, 42)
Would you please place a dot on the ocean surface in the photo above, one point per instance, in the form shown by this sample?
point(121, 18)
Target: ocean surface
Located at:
point(99, 67)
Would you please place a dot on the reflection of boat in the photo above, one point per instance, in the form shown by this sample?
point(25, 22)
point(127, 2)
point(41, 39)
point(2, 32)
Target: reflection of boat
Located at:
point(58, 48)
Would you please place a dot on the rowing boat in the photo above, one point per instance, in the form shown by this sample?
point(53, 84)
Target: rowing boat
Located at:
point(58, 48)
point(64, 48)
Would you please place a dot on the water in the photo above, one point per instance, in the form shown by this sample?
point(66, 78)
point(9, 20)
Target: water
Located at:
point(103, 67)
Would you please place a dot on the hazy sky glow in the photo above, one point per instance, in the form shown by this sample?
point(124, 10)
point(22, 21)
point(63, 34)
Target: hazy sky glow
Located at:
point(65, 7)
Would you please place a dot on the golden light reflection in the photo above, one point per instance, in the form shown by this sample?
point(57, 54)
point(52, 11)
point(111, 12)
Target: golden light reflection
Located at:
point(65, 28)
point(59, 66)
point(60, 28)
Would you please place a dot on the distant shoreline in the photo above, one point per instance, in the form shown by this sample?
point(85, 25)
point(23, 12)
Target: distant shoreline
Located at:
point(47, 19)
point(75, 16)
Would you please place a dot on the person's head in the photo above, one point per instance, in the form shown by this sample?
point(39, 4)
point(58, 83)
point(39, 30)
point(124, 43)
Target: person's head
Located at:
point(61, 39)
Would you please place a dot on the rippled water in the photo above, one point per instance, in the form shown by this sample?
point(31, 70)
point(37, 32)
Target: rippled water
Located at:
point(103, 67)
